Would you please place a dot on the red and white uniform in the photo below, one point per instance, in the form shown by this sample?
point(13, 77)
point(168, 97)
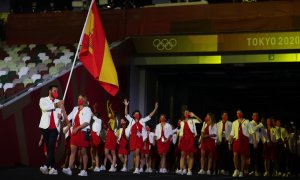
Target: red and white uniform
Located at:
point(146, 149)
point(187, 133)
point(269, 150)
point(240, 133)
point(224, 129)
point(95, 133)
point(122, 141)
point(163, 134)
point(208, 144)
point(136, 132)
point(79, 117)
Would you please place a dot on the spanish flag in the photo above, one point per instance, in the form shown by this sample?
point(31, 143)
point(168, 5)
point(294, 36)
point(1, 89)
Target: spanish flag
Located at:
point(95, 53)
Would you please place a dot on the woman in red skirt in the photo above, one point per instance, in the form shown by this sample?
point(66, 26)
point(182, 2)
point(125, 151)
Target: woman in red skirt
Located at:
point(147, 150)
point(136, 127)
point(269, 147)
point(240, 132)
point(123, 142)
point(80, 116)
point(186, 144)
point(163, 136)
point(208, 143)
point(111, 139)
point(95, 141)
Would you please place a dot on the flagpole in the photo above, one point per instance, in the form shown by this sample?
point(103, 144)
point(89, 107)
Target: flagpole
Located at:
point(76, 54)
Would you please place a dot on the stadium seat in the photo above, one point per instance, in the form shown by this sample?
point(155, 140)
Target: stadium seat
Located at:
point(27, 81)
point(7, 85)
point(10, 92)
point(23, 71)
point(19, 87)
point(34, 77)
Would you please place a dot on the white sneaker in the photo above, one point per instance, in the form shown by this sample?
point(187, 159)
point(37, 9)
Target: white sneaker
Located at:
point(67, 171)
point(208, 172)
point(236, 173)
point(266, 174)
point(189, 173)
point(112, 169)
point(102, 168)
point(165, 170)
point(241, 174)
point(183, 172)
point(150, 170)
point(82, 173)
point(161, 170)
point(201, 172)
point(178, 171)
point(44, 169)
point(53, 171)
point(222, 172)
point(141, 170)
point(97, 169)
point(136, 171)
point(124, 169)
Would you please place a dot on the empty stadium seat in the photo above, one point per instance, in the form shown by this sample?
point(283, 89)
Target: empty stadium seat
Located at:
point(23, 71)
point(34, 77)
point(7, 85)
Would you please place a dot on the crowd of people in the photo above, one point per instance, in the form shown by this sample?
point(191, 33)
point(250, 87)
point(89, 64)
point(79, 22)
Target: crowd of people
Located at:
point(260, 147)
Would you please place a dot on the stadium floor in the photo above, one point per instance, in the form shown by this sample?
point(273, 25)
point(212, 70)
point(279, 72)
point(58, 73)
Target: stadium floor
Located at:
point(25, 173)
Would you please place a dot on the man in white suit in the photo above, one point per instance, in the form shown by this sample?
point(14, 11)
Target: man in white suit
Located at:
point(52, 109)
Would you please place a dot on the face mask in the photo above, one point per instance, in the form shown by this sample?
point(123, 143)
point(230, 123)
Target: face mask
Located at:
point(80, 102)
point(123, 125)
point(137, 116)
point(178, 124)
point(55, 94)
point(206, 119)
point(240, 116)
point(187, 116)
point(225, 118)
point(255, 118)
point(162, 119)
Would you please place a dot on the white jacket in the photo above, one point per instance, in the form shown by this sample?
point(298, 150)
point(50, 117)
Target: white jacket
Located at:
point(97, 125)
point(211, 130)
point(246, 127)
point(167, 131)
point(228, 126)
point(132, 122)
point(47, 106)
point(191, 124)
point(85, 115)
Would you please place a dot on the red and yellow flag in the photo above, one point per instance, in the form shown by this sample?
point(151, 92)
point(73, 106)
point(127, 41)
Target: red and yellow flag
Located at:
point(95, 53)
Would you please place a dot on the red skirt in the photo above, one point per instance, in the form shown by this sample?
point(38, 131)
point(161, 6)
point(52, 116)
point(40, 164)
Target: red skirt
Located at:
point(241, 146)
point(136, 142)
point(269, 151)
point(123, 146)
point(209, 146)
point(146, 148)
point(163, 147)
point(95, 140)
point(187, 144)
point(111, 140)
point(79, 140)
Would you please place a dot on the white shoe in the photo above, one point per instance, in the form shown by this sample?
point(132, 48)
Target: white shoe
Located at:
point(44, 169)
point(67, 171)
point(53, 171)
point(112, 169)
point(136, 171)
point(165, 170)
point(266, 174)
point(201, 172)
point(222, 172)
point(183, 172)
point(251, 173)
point(208, 172)
point(150, 170)
point(97, 169)
point(124, 169)
point(102, 168)
point(82, 173)
point(161, 170)
point(178, 171)
point(189, 173)
point(241, 174)
point(141, 170)
point(236, 173)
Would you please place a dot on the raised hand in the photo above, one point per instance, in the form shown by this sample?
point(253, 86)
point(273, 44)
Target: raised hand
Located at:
point(126, 102)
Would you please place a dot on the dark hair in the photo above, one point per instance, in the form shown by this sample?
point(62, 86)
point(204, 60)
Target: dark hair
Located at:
point(52, 86)
point(136, 111)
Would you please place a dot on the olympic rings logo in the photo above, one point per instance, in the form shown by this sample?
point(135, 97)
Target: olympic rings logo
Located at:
point(164, 44)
